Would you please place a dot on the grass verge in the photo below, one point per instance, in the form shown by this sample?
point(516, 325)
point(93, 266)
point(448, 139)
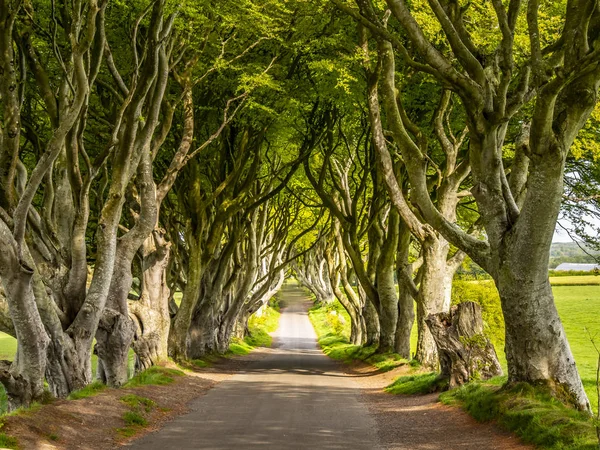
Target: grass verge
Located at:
point(332, 325)
point(155, 375)
point(259, 328)
point(422, 383)
point(531, 412)
point(89, 391)
point(135, 417)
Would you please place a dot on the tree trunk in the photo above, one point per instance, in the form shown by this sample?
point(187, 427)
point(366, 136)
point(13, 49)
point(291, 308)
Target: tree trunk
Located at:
point(386, 287)
point(406, 303)
point(430, 299)
point(151, 311)
point(371, 324)
point(179, 331)
point(113, 339)
point(464, 351)
point(23, 379)
point(537, 349)
point(204, 327)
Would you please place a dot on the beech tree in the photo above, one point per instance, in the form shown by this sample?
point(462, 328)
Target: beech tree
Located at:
point(152, 149)
point(561, 78)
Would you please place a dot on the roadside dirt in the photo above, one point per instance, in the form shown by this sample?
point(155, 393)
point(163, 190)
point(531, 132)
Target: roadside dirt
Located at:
point(92, 423)
point(420, 422)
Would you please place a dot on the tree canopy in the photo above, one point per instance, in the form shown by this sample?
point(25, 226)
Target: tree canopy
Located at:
point(165, 166)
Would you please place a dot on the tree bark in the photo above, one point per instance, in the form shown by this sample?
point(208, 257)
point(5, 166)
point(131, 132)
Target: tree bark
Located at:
point(151, 311)
point(386, 286)
point(406, 302)
point(465, 353)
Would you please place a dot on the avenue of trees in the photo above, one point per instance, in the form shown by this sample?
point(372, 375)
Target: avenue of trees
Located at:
point(165, 166)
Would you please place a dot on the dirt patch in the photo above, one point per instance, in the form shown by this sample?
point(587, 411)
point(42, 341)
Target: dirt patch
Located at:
point(419, 422)
point(92, 423)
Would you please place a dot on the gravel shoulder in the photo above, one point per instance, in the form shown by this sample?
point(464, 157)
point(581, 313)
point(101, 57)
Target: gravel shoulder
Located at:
point(415, 422)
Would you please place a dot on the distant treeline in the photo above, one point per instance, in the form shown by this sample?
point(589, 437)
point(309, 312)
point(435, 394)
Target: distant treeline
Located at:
point(570, 252)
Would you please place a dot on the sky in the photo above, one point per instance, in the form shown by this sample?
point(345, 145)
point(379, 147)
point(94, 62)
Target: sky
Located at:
point(560, 235)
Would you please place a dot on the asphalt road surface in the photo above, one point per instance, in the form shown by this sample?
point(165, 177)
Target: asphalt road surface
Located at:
point(294, 398)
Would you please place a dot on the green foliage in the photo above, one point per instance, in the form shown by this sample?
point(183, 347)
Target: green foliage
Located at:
point(580, 280)
point(532, 412)
point(424, 383)
point(486, 295)
point(333, 335)
point(259, 326)
point(89, 391)
point(134, 418)
point(136, 402)
point(155, 375)
point(7, 441)
point(571, 252)
point(238, 347)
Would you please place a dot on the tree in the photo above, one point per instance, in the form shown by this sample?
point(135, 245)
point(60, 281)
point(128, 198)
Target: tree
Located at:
point(518, 209)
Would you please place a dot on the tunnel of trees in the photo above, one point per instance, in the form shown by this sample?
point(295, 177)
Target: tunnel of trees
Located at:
point(214, 149)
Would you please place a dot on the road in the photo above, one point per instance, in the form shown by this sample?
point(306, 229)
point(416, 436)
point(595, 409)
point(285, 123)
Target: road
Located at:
point(293, 398)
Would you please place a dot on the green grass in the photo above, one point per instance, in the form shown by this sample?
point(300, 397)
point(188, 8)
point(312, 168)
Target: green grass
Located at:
point(89, 391)
point(8, 347)
point(135, 417)
point(135, 402)
point(259, 327)
point(155, 375)
point(423, 383)
point(238, 347)
point(7, 441)
point(200, 363)
point(25, 411)
point(579, 308)
point(332, 325)
point(577, 280)
point(532, 412)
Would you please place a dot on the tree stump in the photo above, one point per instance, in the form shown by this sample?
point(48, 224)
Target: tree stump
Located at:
point(465, 353)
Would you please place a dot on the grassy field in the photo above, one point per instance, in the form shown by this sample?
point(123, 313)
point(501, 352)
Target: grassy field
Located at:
point(569, 280)
point(579, 309)
point(581, 280)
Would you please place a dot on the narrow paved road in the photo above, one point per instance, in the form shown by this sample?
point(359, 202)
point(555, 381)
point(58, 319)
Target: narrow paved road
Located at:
point(294, 398)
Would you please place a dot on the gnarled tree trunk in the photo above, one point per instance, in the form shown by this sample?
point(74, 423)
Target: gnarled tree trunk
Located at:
point(464, 351)
point(151, 311)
